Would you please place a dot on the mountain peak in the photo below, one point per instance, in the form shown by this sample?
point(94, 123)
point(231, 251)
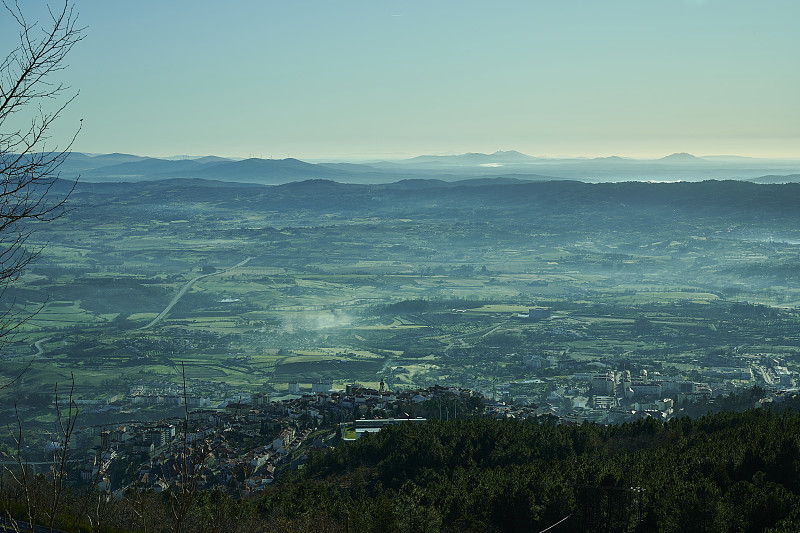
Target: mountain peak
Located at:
point(678, 157)
point(470, 158)
point(512, 155)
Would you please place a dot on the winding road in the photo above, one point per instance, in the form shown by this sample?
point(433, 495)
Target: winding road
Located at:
point(38, 346)
point(188, 286)
point(162, 314)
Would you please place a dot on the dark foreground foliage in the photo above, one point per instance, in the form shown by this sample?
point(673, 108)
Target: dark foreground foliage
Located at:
point(722, 472)
point(728, 472)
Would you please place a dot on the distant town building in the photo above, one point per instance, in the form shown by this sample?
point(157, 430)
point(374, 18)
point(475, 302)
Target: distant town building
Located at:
point(743, 373)
point(784, 376)
point(603, 384)
point(260, 400)
point(535, 313)
point(322, 386)
point(673, 387)
point(603, 402)
point(373, 426)
point(537, 362)
point(284, 439)
point(643, 388)
point(538, 313)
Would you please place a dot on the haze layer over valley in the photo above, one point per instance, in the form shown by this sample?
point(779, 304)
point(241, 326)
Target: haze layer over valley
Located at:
point(414, 282)
point(507, 164)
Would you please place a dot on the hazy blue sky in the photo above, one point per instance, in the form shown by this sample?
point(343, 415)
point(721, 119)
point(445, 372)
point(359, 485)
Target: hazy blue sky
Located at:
point(380, 78)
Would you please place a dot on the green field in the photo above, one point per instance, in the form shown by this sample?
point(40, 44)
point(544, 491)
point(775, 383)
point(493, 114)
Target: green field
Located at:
point(378, 293)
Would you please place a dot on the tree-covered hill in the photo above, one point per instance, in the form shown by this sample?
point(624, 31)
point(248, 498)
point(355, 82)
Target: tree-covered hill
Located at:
point(523, 201)
point(722, 472)
point(726, 472)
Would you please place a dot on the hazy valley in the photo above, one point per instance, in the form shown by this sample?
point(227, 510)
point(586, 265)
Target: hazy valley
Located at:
point(417, 282)
point(256, 325)
point(399, 267)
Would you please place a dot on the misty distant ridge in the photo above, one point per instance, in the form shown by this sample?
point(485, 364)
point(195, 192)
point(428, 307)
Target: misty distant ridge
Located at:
point(681, 157)
point(505, 165)
point(791, 178)
point(511, 156)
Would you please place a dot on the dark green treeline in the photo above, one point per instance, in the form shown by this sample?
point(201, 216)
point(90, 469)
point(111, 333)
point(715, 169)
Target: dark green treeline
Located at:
point(721, 472)
point(726, 472)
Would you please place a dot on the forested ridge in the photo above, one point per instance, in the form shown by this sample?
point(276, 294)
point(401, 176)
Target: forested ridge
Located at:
point(725, 472)
point(721, 472)
point(695, 200)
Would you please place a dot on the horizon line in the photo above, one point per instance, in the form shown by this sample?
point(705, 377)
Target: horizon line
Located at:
point(402, 156)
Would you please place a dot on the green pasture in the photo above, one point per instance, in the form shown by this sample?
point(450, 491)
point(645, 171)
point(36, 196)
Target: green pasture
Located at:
point(66, 253)
point(499, 308)
point(222, 372)
point(144, 317)
point(306, 358)
point(222, 324)
point(664, 296)
point(59, 314)
point(597, 285)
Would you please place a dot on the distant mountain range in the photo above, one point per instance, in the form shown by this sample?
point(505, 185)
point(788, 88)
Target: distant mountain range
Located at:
point(122, 167)
point(472, 158)
point(510, 165)
point(681, 157)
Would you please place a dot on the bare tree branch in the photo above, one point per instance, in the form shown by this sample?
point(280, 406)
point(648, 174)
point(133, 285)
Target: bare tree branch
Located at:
point(66, 426)
point(31, 100)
